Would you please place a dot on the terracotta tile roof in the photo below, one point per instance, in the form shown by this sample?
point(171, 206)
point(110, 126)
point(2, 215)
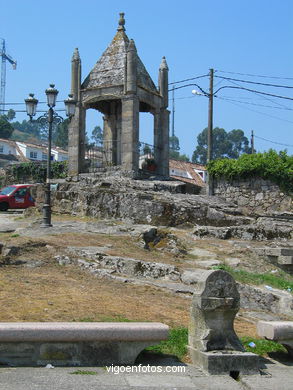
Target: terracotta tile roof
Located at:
point(7, 141)
point(59, 150)
point(43, 147)
point(189, 169)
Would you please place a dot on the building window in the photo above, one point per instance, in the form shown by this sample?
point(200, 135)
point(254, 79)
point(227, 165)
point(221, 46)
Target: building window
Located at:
point(33, 155)
point(1, 149)
point(44, 156)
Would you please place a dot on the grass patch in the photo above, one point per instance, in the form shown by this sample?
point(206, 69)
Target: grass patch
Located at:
point(262, 347)
point(117, 318)
point(14, 235)
point(175, 345)
point(258, 279)
point(178, 340)
point(83, 372)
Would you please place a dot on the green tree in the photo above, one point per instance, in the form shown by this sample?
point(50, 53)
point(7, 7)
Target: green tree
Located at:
point(174, 143)
point(10, 115)
point(231, 145)
point(6, 129)
point(32, 128)
point(177, 156)
point(61, 135)
point(97, 135)
point(174, 148)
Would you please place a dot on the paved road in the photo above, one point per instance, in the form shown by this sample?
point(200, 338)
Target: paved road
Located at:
point(8, 222)
point(277, 377)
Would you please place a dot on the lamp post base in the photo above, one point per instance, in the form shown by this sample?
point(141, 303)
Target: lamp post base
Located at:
point(46, 216)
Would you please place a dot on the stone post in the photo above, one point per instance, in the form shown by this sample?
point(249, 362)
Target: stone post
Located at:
point(161, 123)
point(131, 68)
point(76, 127)
point(163, 82)
point(213, 343)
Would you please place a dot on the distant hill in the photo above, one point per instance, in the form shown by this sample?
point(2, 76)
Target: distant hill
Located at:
point(25, 137)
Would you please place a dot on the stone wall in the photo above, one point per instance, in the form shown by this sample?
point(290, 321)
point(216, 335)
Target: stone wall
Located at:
point(254, 195)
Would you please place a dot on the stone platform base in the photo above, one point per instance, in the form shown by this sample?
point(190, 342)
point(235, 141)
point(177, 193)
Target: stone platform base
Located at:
point(71, 353)
point(225, 362)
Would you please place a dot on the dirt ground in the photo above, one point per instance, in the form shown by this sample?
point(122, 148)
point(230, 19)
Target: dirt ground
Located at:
point(50, 292)
point(66, 293)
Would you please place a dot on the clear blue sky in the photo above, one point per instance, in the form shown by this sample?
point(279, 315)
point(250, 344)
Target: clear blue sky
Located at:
point(249, 37)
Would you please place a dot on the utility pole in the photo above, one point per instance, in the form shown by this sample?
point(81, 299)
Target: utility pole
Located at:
point(5, 57)
point(210, 131)
point(252, 142)
point(173, 119)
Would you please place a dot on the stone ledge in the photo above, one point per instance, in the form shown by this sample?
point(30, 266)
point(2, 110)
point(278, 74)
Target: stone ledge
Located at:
point(275, 330)
point(280, 331)
point(76, 344)
point(82, 331)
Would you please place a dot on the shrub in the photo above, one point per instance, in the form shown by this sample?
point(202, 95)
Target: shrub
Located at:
point(277, 167)
point(37, 171)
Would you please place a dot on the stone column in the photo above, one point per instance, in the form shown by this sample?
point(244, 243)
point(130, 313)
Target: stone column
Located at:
point(107, 138)
point(112, 135)
point(161, 141)
point(130, 133)
point(76, 141)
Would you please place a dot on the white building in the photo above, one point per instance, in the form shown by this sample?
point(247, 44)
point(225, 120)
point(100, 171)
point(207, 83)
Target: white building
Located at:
point(7, 147)
point(40, 152)
point(31, 151)
point(59, 154)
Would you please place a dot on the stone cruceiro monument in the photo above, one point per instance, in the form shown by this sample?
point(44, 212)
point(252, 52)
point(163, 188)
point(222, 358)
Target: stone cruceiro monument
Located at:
point(213, 343)
point(120, 87)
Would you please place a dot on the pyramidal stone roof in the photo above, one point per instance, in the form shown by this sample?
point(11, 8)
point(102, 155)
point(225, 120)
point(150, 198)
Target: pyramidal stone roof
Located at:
point(110, 69)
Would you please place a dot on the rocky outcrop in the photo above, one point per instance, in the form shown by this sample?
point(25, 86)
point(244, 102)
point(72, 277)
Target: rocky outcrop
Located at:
point(149, 201)
point(263, 229)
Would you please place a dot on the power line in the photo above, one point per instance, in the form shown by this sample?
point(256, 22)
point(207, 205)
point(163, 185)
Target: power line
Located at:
point(257, 75)
point(15, 104)
point(193, 78)
point(255, 104)
point(255, 91)
point(264, 97)
point(255, 82)
point(258, 112)
point(273, 142)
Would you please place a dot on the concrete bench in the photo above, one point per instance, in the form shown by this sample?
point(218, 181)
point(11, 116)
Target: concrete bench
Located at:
point(279, 331)
point(76, 343)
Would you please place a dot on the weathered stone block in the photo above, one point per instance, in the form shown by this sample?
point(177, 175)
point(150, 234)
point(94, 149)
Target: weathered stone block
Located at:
point(280, 331)
point(225, 362)
point(213, 343)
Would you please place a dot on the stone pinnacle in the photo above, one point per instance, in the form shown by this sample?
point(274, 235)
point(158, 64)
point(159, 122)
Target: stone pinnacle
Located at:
point(121, 22)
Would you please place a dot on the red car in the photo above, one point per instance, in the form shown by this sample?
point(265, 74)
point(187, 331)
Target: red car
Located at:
point(16, 196)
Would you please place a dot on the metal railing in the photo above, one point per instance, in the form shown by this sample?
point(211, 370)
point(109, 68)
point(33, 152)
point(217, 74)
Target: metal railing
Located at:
point(108, 154)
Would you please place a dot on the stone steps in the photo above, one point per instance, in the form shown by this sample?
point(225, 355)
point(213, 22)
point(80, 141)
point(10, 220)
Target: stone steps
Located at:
point(176, 280)
point(279, 256)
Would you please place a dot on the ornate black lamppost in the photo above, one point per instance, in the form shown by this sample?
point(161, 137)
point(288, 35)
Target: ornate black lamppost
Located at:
point(50, 117)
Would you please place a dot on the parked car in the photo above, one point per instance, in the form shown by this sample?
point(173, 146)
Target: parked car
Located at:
point(16, 196)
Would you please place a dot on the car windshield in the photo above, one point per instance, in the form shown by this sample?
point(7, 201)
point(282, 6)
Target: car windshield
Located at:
point(7, 190)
